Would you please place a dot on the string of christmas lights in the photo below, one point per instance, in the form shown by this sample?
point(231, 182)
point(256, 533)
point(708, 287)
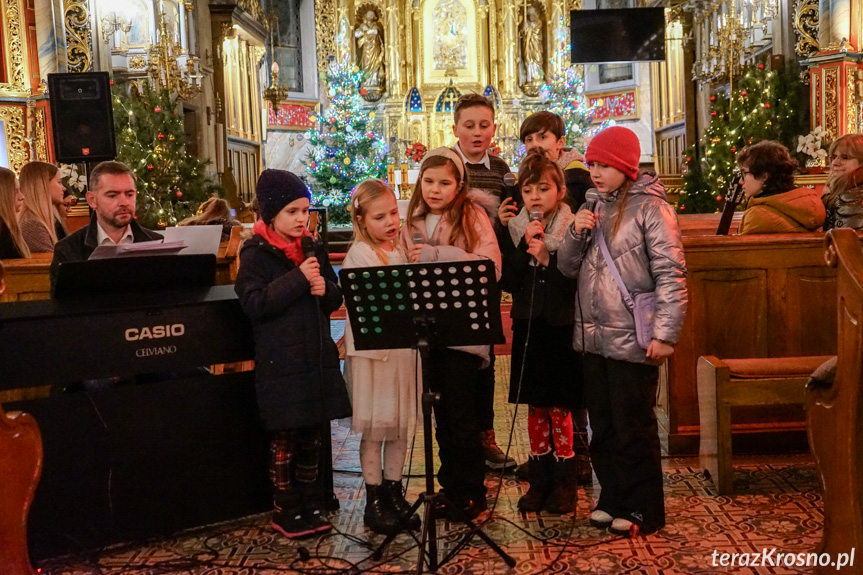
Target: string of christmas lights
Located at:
point(345, 148)
point(765, 106)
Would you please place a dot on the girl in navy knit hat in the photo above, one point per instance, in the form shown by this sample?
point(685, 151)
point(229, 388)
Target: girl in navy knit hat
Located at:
point(621, 371)
point(289, 299)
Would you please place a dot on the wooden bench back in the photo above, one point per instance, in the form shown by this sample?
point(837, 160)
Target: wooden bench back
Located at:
point(835, 414)
point(749, 296)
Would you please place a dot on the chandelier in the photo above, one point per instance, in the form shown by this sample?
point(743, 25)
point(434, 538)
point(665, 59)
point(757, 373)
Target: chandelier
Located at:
point(165, 69)
point(277, 92)
point(728, 33)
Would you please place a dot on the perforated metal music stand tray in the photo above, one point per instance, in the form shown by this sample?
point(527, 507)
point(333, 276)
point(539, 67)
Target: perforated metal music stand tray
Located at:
point(424, 306)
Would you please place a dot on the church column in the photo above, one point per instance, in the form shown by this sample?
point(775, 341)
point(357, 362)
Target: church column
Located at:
point(493, 52)
point(834, 65)
point(509, 41)
point(484, 43)
point(393, 60)
point(79, 54)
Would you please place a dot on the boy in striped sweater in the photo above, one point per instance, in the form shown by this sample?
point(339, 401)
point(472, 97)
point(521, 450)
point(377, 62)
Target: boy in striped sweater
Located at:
point(474, 127)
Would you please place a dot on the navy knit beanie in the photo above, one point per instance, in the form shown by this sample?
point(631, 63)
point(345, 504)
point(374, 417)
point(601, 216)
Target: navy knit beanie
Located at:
point(275, 190)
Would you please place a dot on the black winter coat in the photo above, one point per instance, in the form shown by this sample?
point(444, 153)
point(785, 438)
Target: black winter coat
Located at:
point(554, 293)
point(297, 375)
point(552, 369)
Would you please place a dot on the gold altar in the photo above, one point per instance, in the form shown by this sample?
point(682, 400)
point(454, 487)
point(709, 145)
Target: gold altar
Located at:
point(420, 56)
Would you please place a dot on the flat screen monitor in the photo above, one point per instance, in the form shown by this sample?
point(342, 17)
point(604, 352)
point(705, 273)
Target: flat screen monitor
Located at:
point(617, 35)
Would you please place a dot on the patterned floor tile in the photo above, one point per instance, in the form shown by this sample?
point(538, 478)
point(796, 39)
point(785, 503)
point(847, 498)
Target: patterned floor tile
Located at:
point(777, 504)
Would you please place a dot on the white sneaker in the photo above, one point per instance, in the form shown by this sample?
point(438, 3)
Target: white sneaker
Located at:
point(620, 526)
point(601, 519)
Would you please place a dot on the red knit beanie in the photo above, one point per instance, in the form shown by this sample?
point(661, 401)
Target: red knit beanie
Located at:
point(617, 147)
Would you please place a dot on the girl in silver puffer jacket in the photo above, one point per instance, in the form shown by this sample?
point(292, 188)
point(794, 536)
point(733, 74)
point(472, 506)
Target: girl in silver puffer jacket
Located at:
point(621, 378)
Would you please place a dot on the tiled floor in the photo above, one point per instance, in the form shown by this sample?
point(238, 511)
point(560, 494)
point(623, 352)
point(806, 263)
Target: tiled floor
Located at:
point(777, 505)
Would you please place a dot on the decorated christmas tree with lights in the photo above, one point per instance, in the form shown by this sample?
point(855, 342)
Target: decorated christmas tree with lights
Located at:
point(345, 149)
point(765, 105)
point(151, 140)
point(563, 94)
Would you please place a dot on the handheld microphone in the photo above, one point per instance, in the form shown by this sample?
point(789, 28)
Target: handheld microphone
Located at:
point(417, 238)
point(591, 197)
point(308, 246)
point(510, 188)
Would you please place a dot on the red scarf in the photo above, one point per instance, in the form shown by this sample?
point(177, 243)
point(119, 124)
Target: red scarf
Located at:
point(293, 248)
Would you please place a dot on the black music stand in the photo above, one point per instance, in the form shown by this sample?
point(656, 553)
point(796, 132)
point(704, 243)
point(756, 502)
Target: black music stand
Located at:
point(424, 306)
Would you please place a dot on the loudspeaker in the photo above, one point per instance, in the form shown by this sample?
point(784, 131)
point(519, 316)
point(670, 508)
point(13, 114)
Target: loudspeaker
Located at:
point(82, 116)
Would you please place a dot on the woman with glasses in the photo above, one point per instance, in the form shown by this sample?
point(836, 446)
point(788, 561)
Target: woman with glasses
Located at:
point(775, 206)
point(843, 193)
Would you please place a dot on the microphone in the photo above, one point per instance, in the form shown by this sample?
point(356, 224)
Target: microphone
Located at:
point(308, 246)
point(535, 215)
point(510, 188)
point(417, 238)
point(590, 199)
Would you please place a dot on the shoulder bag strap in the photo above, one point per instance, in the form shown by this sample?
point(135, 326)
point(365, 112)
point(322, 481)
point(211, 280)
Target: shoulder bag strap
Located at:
point(600, 237)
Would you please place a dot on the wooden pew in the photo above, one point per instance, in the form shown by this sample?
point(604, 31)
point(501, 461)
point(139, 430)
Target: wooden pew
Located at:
point(749, 297)
point(835, 414)
point(726, 384)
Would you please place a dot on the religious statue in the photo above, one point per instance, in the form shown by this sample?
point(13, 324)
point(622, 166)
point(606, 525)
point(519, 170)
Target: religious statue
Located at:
point(370, 53)
point(531, 55)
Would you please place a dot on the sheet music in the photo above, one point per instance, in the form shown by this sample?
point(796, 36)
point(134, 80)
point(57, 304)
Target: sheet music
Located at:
point(153, 248)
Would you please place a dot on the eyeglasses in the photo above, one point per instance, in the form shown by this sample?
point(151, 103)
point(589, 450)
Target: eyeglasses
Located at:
point(839, 158)
point(743, 173)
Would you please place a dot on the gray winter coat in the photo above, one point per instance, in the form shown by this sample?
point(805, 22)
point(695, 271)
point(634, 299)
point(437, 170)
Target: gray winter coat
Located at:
point(648, 253)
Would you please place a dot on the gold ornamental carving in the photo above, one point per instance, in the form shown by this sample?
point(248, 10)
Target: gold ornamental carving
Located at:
point(78, 38)
point(831, 101)
point(41, 141)
point(532, 52)
point(325, 31)
point(850, 97)
point(370, 50)
point(137, 62)
point(806, 28)
point(252, 7)
point(15, 51)
point(18, 151)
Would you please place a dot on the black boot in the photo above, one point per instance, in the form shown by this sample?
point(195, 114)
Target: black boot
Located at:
point(378, 516)
point(397, 503)
point(582, 454)
point(288, 516)
point(564, 491)
point(539, 477)
point(314, 510)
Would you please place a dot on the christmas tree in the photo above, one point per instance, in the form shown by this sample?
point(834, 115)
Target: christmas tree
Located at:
point(563, 94)
point(151, 141)
point(345, 149)
point(765, 105)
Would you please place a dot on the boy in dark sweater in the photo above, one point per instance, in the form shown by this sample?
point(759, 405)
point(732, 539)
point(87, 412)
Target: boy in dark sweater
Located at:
point(546, 131)
point(474, 127)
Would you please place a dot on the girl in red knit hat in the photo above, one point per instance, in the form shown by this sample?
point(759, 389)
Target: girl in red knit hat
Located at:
point(632, 227)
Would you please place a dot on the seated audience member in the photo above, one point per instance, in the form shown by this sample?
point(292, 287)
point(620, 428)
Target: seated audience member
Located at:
point(12, 244)
point(68, 201)
point(767, 175)
point(215, 212)
point(112, 197)
point(43, 192)
point(843, 194)
point(546, 131)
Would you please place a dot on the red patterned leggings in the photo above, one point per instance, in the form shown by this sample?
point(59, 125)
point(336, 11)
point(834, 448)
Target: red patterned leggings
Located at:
point(547, 424)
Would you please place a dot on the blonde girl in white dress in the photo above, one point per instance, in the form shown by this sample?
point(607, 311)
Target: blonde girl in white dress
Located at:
point(383, 383)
